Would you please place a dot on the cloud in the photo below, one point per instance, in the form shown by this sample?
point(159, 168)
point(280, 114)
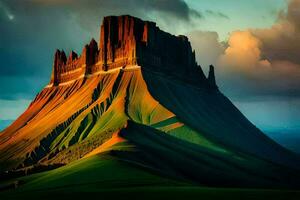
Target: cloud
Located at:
point(88, 14)
point(243, 55)
point(282, 40)
point(217, 14)
point(265, 61)
point(268, 57)
point(6, 11)
point(207, 47)
point(175, 8)
point(28, 43)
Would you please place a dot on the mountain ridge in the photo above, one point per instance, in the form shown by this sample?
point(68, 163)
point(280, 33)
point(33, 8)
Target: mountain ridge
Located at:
point(144, 86)
point(125, 41)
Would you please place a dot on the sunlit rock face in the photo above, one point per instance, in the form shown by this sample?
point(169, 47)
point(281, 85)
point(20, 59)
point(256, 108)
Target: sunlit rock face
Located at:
point(126, 40)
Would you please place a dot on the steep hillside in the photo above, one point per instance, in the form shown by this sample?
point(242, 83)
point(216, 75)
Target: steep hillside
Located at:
point(84, 114)
point(212, 114)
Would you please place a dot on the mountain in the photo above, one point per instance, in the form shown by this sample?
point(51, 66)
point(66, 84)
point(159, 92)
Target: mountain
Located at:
point(138, 107)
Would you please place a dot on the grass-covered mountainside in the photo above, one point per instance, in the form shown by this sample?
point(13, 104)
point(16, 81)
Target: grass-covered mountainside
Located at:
point(132, 130)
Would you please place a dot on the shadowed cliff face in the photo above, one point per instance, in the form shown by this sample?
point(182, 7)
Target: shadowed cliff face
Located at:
point(145, 84)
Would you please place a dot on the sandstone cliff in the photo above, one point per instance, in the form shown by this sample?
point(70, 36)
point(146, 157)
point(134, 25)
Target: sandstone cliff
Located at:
point(125, 41)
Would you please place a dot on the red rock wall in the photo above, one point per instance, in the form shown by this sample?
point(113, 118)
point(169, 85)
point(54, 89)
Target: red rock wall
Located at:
point(118, 40)
point(126, 40)
point(75, 67)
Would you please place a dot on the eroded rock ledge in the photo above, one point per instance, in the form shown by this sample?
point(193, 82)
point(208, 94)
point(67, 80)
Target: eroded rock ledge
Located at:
point(125, 41)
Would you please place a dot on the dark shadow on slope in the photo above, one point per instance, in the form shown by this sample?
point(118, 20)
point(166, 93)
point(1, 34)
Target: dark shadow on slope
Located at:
point(211, 113)
point(178, 159)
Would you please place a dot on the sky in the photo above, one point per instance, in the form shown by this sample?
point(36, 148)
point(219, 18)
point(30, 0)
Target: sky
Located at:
point(254, 46)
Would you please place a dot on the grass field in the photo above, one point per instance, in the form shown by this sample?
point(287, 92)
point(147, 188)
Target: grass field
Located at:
point(104, 177)
point(120, 172)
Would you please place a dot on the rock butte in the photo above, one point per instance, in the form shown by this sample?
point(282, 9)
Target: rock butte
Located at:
point(126, 41)
point(141, 98)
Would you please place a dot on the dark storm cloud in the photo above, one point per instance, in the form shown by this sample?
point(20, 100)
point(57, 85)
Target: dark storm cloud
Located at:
point(282, 41)
point(29, 36)
point(177, 8)
point(89, 13)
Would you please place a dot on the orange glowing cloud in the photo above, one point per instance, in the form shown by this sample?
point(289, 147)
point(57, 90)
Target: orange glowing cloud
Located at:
point(268, 56)
point(243, 54)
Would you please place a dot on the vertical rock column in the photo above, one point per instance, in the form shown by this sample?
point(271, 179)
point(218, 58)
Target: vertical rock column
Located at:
point(59, 61)
point(118, 40)
point(211, 78)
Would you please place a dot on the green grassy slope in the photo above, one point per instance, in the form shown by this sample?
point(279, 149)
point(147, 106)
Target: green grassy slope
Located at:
point(167, 156)
point(92, 174)
point(152, 164)
point(204, 164)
